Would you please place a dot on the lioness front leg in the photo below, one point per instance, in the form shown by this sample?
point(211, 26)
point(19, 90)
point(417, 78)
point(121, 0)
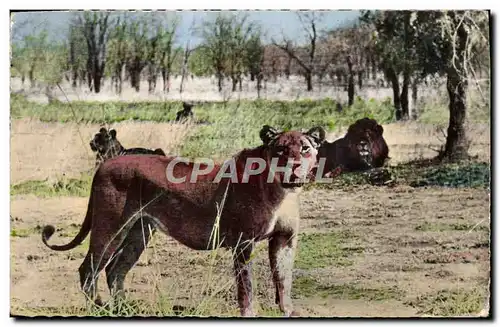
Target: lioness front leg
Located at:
point(282, 247)
point(243, 272)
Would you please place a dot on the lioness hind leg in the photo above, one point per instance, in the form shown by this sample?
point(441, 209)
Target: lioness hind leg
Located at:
point(243, 272)
point(128, 255)
point(88, 279)
point(281, 256)
point(100, 252)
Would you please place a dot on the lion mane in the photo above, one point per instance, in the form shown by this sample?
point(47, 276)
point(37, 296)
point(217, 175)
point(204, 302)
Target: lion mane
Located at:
point(363, 147)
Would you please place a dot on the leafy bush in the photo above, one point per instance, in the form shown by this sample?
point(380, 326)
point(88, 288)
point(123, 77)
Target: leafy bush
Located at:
point(475, 174)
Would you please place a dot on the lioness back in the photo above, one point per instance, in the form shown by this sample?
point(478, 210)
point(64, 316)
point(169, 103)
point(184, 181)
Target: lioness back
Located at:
point(152, 169)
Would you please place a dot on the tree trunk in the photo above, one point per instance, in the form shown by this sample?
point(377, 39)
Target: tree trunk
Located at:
point(360, 79)
point(457, 146)
point(456, 141)
point(164, 79)
point(414, 99)
point(74, 77)
point(308, 77)
point(181, 87)
point(405, 111)
point(120, 84)
point(393, 79)
point(150, 85)
point(234, 81)
point(288, 68)
point(135, 77)
point(220, 80)
point(350, 85)
point(167, 81)
point(350, 91)
point(151, 79)
point(374, 68)
point(97, 82)
point(31, 76)
point(260, 76)
point(367, 67)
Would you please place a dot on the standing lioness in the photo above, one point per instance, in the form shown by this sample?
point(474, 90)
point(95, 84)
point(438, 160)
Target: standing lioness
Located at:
point(132, 195)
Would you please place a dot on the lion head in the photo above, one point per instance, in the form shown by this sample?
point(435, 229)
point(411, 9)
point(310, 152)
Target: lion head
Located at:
point(362, 147)
point(365, 138)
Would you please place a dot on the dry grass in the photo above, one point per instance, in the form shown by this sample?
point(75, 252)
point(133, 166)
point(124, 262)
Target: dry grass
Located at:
point(47, 150)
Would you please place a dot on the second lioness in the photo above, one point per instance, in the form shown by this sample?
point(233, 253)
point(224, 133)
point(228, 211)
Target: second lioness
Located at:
point(107, 146)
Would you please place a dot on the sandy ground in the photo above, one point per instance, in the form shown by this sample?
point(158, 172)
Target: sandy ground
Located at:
point(395, 254)
point(382, 231)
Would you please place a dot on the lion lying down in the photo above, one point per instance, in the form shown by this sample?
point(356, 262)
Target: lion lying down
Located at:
point(134, 194)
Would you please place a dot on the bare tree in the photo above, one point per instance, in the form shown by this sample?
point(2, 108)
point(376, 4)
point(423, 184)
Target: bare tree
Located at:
point(137, 32)
point(95, 29)
point(118, 53)
point(184, 69)
point(168, 51)
point(77, 52)
point(225, 46)
point(309, 22)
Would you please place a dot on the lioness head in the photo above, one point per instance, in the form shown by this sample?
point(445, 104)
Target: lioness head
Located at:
point(294, 153)
point(104, 141)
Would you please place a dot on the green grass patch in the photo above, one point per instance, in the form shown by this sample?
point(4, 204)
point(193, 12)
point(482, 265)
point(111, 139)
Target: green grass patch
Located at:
point(94, 112)
point(435, 110)
point(269, 312)
point(283, 112)
point(61, 187)
point(25, 232)
point(229, 127)
point(319, 250)
point(450, 303)
point(236, 125)
point(304, 287)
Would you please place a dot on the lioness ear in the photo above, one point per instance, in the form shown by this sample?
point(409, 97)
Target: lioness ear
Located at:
point(112, 132)
point(317, 134)
point(103, 130)
point(267, 134)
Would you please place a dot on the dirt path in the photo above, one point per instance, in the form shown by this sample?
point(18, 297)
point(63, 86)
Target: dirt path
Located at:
point(396, 250)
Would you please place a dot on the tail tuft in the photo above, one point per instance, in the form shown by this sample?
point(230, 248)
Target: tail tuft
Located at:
point(47, 233)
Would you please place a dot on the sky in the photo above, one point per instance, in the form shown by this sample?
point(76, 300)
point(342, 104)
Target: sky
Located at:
point(275, 24)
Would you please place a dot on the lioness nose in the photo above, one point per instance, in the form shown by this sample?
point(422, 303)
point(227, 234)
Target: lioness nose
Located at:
point(301, 170)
